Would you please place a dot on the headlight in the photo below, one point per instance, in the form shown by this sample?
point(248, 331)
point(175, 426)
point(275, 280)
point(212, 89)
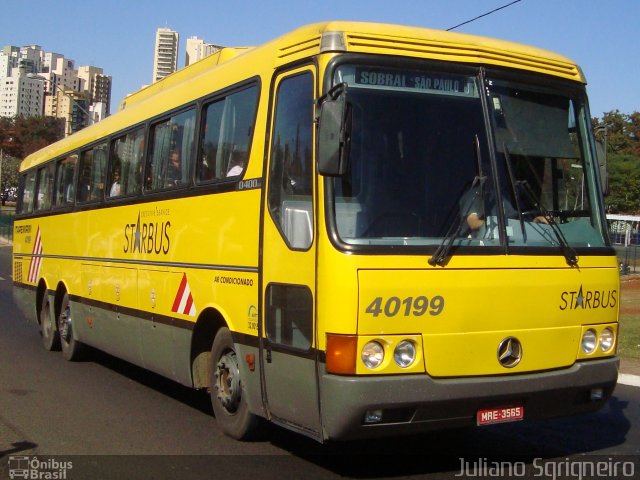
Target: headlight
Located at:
point(405, 353)
point(606, 340)
point(589, 341)
point(372, 355)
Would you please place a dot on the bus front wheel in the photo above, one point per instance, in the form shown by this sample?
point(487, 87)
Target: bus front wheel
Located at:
point(227, 395)
point(71, 348)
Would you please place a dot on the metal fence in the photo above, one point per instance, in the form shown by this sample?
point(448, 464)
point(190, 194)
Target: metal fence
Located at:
point(624, 231)
point(6, 227)
point(627, 247)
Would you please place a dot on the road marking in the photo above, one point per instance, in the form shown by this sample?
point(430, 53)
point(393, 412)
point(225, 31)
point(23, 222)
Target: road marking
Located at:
point(627, 379)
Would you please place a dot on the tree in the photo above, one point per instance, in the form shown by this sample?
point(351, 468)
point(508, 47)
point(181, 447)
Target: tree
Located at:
point(623, 158)
point(634, 133)
point(8, 140)
point(623, 131)
point(21, 136)
point(34, 133)
point(624, 183)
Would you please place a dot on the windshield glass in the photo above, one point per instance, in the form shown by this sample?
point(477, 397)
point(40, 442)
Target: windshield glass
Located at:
point(547, 177)
point(420, 171)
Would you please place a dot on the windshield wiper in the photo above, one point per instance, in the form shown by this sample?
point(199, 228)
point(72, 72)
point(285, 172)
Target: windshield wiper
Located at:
point(512, 182)
point(568, 252)
point(442, 252)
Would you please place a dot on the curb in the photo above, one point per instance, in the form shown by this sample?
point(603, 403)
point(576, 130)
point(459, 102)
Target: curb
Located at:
point(628, 379)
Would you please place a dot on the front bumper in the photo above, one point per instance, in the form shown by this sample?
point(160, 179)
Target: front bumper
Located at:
point(417, 403)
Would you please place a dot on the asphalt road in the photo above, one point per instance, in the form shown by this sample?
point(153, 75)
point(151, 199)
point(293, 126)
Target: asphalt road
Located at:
point(110, 419)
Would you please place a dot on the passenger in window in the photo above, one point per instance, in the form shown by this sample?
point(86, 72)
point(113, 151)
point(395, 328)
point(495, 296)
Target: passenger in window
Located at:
point(236, 166)
point(174, 169)
point(115, 186)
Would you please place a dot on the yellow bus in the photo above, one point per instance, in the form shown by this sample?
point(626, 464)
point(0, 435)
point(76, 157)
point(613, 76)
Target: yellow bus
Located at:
point(353, 230)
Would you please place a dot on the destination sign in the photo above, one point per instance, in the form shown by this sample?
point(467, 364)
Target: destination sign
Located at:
point(415, 80)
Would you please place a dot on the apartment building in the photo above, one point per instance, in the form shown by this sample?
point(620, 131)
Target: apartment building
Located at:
point(98, 85)
point(197, 49)
point(21, 94)
point(9, 56)
point(73, 107)
point(35, 82)
point(165, 58)
point(31, 58)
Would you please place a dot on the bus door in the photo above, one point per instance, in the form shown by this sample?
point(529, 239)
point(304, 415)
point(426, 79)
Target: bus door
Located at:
point(290, 389)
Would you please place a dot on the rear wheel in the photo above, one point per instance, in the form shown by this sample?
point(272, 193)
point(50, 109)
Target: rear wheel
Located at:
point(48, 328)
point(227, 395)
point(71, 348)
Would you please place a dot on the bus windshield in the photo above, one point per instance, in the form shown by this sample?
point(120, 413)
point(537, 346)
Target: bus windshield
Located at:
point(421, 168)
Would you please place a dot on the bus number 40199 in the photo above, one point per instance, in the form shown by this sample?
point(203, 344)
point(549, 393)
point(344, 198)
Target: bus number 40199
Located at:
point(417, 306)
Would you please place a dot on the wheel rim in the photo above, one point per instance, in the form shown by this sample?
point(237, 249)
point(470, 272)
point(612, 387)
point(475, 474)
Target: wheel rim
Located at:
point(64, 325)
point(227, 382)
point(47, 325)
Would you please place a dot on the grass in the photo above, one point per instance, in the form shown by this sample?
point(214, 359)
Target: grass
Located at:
point(629, 340)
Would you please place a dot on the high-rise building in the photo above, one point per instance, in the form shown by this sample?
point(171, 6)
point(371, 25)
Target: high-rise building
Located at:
point(165, 59)
point(197, 50)
point(35, 82)
point(71, 106)
point(21, 94)
point(96, 83)
point(60, 71)
point(31, 58)
point(9, 56)
point(50, 61)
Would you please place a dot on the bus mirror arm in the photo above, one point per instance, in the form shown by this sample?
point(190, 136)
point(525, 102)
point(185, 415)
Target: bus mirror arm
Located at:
point(334, 132)
point(601, 155)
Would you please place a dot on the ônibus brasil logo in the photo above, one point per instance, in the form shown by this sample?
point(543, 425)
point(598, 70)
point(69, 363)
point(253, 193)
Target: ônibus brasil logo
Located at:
point(22, 466)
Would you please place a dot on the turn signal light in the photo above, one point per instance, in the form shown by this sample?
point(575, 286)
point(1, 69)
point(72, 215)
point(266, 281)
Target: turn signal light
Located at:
point(342, 352)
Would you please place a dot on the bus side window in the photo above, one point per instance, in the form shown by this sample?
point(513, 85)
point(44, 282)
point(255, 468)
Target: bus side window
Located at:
point(93, 166)
point(65, 185)
point(45, 187)
point(125, 169)
point(290, 175)
point(289, 319)
point(28, 192)
point(100, 159)
point(171, 152)
point(226, 136)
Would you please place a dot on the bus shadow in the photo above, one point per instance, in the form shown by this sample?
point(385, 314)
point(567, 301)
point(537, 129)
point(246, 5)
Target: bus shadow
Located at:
point(433, 452)
point(197, 399)
point(449, 451)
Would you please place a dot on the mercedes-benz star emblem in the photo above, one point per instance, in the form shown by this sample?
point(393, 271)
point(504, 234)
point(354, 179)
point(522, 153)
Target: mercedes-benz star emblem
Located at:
point(510, 352)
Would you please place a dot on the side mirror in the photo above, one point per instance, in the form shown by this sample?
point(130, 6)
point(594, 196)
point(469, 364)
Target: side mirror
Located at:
point(334, 135)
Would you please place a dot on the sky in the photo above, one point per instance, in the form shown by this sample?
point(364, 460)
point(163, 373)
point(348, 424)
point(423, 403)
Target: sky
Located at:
point(119, 35)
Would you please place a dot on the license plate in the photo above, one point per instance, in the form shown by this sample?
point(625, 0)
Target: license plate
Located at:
point(490, 416)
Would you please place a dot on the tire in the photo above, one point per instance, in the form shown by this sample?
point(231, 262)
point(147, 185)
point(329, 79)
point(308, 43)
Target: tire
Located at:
point(228, 398)
point(71, 348)
point(48, 327)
